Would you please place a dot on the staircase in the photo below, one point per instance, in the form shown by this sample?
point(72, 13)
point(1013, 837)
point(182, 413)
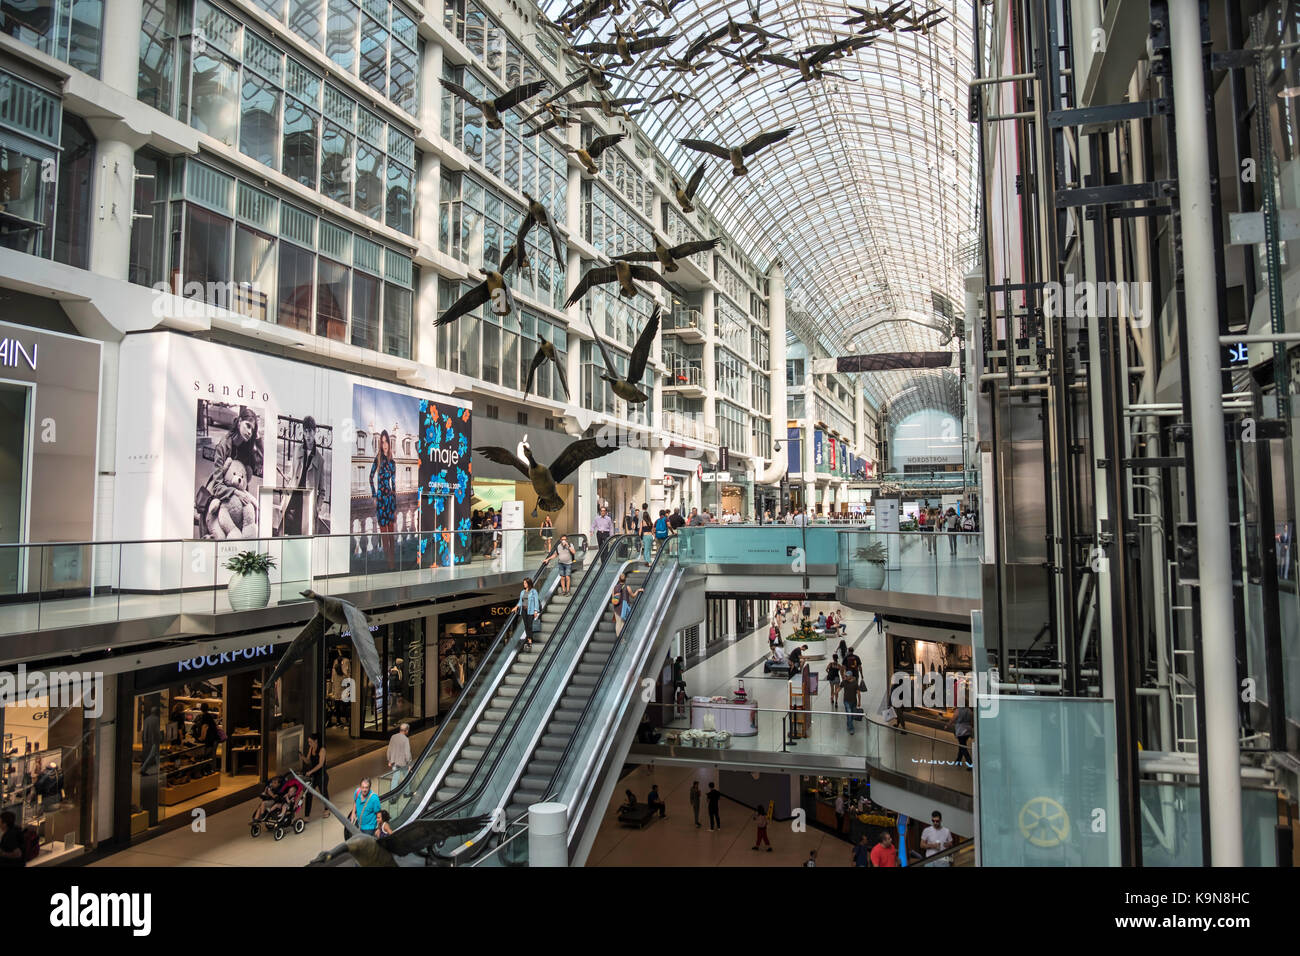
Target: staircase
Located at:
point(563, 722)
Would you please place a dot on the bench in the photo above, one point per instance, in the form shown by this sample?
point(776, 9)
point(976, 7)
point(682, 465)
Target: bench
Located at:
point(638, 816)
point(770, 665)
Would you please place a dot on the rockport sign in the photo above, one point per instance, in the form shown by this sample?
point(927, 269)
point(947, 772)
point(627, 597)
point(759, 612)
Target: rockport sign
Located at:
point(225, 657)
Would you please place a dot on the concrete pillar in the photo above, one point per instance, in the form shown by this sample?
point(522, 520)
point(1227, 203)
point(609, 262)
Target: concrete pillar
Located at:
point(709, 360)
point(776, 378)
point(548, 824)
point(120, 51)
point(430, 87)
point(114, 197)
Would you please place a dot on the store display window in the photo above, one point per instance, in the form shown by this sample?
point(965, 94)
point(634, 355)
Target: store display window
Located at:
point(209, 734)
point(463, 638)
point(356, 711)
point(48, 761)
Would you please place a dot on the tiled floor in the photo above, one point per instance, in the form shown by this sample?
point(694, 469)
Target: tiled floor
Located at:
point(225, 840)
point(676, 841)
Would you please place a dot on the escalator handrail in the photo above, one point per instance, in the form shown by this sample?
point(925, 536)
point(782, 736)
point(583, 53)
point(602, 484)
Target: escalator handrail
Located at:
point(552, 788)
point(479, 779)
point(438, 740)
point(604, 673)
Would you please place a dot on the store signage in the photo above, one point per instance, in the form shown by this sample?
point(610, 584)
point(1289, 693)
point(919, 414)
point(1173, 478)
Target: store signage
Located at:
point(12, 352)
point(250, 392)
point(205, 666)
point(716, 476)
point(724, 458)
point(225, 657)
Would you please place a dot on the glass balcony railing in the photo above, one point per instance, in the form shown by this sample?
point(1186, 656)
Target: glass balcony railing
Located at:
point(69, 584)
point(941, 563)
point(689, 426)
point(684, 375)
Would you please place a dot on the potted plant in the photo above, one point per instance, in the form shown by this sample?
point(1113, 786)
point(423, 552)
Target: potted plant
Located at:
point(873, 556)
point(250, 587)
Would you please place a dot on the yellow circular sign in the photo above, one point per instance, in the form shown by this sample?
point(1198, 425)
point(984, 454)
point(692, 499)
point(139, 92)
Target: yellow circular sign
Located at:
point(1044, 822)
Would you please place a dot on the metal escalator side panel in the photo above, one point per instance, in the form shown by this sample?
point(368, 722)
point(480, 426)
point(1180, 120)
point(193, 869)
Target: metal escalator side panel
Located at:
point(470, 800)
point(438, 757)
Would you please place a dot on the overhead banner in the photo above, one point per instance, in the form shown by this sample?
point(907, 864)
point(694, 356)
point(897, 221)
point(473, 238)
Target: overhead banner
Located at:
point(884, 362)
point(819, 454)
point(794, 451)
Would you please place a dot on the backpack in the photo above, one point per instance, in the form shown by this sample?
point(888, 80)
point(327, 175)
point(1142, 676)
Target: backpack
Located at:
point(661, 528)
point(31, 844)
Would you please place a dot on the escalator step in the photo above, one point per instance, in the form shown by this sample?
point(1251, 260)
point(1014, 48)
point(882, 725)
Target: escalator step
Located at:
point(583, 680)
point(473, 753)
point(550, 754)
point(556, 742)
point(480, 739)
point(464, 765)
point(534, 783)
point(528, 797)
point(457, 780)
point(588, 670)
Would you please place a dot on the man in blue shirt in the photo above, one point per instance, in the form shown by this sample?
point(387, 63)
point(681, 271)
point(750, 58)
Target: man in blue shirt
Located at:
point(603, 526)
point(662, 528)
point(365, 814)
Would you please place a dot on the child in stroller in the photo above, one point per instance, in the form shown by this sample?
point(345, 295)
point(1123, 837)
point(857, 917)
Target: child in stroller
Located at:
point(282, 800)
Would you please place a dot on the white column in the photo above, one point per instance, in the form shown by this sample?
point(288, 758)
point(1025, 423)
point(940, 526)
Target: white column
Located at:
point(430, 86)
point(548, 824)
point(776, 329)
point(709, 359)
point(1221, 794)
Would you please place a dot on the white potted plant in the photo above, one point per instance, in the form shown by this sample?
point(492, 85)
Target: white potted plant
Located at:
point(250, 586)
point(872, 576)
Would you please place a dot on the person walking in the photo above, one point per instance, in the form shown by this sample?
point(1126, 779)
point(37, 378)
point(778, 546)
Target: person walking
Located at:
point(675, 520)
point(861, 854)
point(662, 529)
point(839, 812)
point(834, 671)
point(963, 726)
point(714, 796)
point(647, 534)
point(954, 526)
point(565, 555)
point(760, 815)
point(936, 838)
point(399, 752)
point(883, 853)
point(695, 802)
point(812, 858)
point(879, 622)
point(603, 527)
point(365, 807)
point(529, 607)
point(548, 530)
point(851, 695)
point(313, 771)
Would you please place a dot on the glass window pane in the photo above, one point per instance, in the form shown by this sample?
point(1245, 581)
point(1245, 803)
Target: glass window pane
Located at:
point(301, 136)
point(401, 77)
point(341, 34)
point(304, 20)
point(157, 77)
point(295, 286)
point(491, 353)
point(374, 56)
point(332, 300)
point(72, 209)
point(397, 321)
point(336, 171)
point(254, 273)
point(25, 196)
point(207, 252)
point(365, 310)
point(369, 181)
point(468, 329)
point(215, 96)
point(399, 213)
point(260, 122)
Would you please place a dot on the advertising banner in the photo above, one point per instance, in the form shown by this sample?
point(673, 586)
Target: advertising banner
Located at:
point(819, 455)
point(794, 451)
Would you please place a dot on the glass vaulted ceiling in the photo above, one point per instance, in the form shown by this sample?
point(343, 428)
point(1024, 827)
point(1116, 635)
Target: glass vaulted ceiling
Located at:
point(871, 204)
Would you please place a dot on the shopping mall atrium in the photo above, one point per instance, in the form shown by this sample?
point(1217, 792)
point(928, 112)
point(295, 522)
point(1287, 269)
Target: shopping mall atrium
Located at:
point(626, 433)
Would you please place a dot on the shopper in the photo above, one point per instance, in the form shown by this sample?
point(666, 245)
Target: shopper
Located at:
point(565, 555)
point(548, 530)
point(647, 534)
point(675, 520)
point(365, 807)
point(812, 858)
point(696, 519)
point(861, 855)
point(760, 816)
point(953, 525)
point(11, 841)
point(656, 802)
point(879, 622)
point(384, 826)
point(530, 609)
point(883, 853)
point(206, 731)
point(695, 802)
point(839, 812)
point(602, 526)
point(842, 652)
point(714, 796)
point(851, 695)
point(399, 752)
point(936, 838)
point(662, 529)
point(834, 670)
point(313, 771)
point(962, 727)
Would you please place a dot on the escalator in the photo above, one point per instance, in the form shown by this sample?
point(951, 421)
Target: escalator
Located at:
point(551, 725)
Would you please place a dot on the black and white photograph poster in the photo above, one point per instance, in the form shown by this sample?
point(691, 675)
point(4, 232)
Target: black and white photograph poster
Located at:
point(303, 466)
point(228, 466)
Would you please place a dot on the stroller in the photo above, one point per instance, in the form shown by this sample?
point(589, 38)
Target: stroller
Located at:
point(280, 809)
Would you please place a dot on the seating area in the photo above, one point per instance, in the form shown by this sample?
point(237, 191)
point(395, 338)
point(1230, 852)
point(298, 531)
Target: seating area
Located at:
point(637, 816)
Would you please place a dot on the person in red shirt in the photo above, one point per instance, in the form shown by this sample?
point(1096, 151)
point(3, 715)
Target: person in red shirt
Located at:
point(883, 853)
